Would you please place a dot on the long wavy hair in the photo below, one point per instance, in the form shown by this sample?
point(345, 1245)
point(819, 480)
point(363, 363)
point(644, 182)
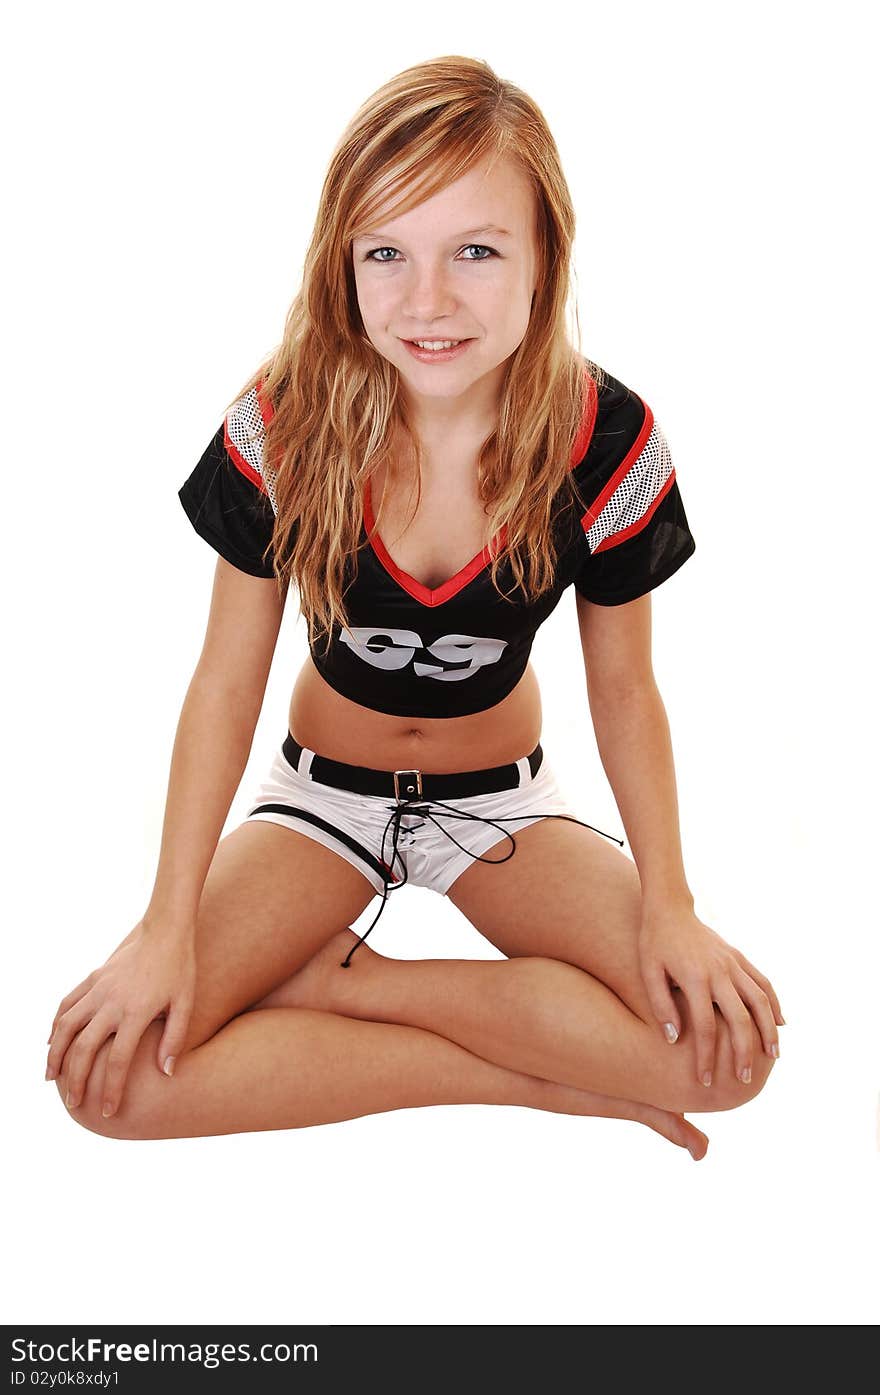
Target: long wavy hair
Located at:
point(336, 408)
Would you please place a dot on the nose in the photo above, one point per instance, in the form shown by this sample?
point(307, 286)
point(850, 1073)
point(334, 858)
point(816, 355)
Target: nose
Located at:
point(428, 295)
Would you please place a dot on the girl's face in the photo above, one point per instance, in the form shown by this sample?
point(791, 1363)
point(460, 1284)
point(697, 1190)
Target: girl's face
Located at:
point(462, 265)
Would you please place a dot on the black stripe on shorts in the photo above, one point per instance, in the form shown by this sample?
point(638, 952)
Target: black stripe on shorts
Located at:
point(378, 866)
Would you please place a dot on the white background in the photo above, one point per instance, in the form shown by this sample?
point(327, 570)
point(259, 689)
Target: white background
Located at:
point(163, 168)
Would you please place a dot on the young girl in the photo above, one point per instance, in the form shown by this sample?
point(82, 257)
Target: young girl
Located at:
point(432, 464)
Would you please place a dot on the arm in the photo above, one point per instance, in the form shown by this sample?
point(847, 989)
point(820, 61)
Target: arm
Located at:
point(632, 734)
point(214, 737)
point(633, 739)
point(153, 970)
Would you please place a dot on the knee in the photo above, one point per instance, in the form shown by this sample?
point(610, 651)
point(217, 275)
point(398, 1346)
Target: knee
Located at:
point(140, 1113)
point(733, 1090)
point(727, 1091)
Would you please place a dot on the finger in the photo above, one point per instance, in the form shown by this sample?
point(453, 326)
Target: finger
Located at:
point(756, 999)
point(174, 1035)
point(68, 1025)
point(661, 999)
point(739, 1021)
point(81, 1056)
point(67, 1003)
point(703, 1018)
point(763, 982)
point(118, 1063)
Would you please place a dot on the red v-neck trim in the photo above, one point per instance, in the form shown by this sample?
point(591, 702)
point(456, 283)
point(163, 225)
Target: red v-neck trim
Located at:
point(431, 596)
point(426, 595)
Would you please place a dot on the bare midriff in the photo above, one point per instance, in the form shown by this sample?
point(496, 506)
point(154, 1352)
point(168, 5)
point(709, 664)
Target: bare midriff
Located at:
point(334, 726)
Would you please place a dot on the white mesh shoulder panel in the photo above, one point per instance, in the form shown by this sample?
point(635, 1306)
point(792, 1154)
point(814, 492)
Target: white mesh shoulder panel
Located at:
point(244, 422)
point(637, 490)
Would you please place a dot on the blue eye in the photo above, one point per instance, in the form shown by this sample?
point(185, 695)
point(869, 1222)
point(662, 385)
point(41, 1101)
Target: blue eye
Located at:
point(385, 261)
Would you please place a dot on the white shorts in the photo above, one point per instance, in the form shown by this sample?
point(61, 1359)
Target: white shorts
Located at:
point(361, 827)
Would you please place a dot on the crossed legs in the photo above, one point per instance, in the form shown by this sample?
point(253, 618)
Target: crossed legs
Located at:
point(271, 1045)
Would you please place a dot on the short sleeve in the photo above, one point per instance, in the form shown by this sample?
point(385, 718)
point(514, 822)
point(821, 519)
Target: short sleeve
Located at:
point(227, 501)
point(636, 530)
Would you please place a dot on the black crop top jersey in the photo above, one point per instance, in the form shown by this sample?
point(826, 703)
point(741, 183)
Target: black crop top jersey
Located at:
point(459, 648)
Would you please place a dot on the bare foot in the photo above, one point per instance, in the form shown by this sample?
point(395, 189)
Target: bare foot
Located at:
point(675, 1127)
point(321, 983)
point(568, 1099)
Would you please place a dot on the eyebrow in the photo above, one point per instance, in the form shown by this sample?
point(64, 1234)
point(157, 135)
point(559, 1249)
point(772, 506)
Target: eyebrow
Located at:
point(471, 232)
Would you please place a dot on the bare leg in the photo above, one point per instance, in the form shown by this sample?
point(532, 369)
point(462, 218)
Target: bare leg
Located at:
point(534, 1015)
point(282, 1068)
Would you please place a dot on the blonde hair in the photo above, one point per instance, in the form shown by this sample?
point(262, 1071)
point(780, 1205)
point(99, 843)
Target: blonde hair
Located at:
point(335, 404)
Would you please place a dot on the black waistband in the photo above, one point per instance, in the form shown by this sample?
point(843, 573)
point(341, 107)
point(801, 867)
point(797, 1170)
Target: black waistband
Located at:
point(364, 780)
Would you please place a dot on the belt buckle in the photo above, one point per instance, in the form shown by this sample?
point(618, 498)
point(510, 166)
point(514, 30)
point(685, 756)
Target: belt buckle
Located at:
point(413, 783)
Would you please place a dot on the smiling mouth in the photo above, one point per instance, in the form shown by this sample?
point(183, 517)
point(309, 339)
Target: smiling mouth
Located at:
point(443, 346)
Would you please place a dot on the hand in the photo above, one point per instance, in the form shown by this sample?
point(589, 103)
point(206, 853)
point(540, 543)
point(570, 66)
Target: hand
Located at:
point(673, 941)
point(150, 974)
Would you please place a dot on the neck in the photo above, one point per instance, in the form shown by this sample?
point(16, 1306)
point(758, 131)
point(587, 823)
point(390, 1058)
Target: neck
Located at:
point(443, 460)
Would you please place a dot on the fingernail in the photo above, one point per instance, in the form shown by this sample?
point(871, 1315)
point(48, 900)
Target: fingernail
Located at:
point(746, 1075)
point(707, 1077)
point(67, 1099)
point(50, 1074)
point(169, 1065)
point(671, 1033)
point(774, 1049)
point(107, 1110)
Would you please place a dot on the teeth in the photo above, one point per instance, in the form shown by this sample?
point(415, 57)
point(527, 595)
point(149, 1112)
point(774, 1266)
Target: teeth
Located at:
point(437, 343)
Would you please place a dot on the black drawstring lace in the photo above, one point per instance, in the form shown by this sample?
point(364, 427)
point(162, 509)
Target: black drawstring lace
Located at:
point(414, 806)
